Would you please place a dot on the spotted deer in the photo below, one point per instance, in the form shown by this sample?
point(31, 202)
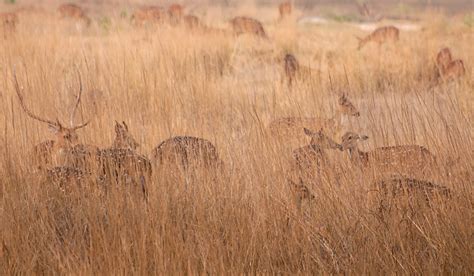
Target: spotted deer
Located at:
point(121, 163)
point(175, 13)
point(242, 25)
point(186, 152)
point(285, 9)
point(398, 193)
point(294, 71)
point(289, 129)
point(65, 150)
point(380, 36)
point(404, 159)
point(75, 12)
point(8, 23)
point(309, 162)
point(149, 14)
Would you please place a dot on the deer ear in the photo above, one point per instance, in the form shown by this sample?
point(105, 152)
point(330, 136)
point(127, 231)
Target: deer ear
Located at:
point(125, 125)
point(308, 132)
point(118, 127)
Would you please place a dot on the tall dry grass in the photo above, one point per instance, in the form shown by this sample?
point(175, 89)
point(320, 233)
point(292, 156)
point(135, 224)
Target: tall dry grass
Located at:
point(168, 82)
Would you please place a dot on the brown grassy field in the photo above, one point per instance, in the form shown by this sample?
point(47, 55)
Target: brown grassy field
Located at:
point(165, 82)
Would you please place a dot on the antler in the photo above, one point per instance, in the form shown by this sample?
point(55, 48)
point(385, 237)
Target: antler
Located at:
point(23, 106)
point(74, 109)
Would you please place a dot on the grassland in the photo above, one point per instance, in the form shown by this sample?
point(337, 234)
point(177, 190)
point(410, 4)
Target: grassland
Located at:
point(165, 82)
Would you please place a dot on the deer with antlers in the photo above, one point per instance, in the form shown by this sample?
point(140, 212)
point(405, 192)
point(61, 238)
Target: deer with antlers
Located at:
point(185, 152)
point(65, 151)
point(448, 69)
point(289, 128)
point(121, 163)
point(405, 159)
point(242, 25)
point(8, 22)
point(380, 36)
point(75, 12)
point(285, 9)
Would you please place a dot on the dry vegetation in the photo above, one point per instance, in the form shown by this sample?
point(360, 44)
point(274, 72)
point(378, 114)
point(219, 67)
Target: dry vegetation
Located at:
point(244, 218)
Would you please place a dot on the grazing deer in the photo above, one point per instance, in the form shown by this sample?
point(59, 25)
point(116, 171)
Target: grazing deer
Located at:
point(149, 14)
point(285, 9)
point(289, 128)
point(392, 159)
point(75, 12)
point(185, 152)
point(65, 150)
point(380, 36)
point(242, 24)
point(398, 192)
point(8, 22)
point(175, 13)
point(294, 71)
point(121, 163)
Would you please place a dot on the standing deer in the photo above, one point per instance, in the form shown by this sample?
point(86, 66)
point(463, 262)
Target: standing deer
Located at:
point(75, 12)
point(447, 68)
point(380, 36)
point(289, 128)
point(149, 14)
point(192, 22)
point(186, 152)
point(8, 22)
point(65, 150)
point(401, 194)
point(121, 163)
point(175, 13)
point(285, 9)
point(242, 24)
point(309, 162)
point(406, 159)
point(294, 71)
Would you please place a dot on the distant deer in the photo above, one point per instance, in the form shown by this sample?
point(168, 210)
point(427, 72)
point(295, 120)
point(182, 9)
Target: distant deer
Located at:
point(186, 152)
point(388, 160)
point(175, 13)
point(121, 163)
point(149, 14)
point(242, 24)
point(380, 36)
point(448, 69)
point(285, 9)
point(192, 22)
point(65, 150)
point(75, 12)
point(8, 22)
point(289, 128)
point(294, 71)
point(300, 192)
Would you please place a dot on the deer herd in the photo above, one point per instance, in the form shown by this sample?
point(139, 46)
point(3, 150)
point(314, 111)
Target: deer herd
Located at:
point(66, 160)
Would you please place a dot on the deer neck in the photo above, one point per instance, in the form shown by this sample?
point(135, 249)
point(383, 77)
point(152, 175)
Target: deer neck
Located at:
point(358, 157)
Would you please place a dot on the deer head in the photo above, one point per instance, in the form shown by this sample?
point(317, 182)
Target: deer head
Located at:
point(123, 139)
point(321, 140)
point(350, 140)
point(64, 135)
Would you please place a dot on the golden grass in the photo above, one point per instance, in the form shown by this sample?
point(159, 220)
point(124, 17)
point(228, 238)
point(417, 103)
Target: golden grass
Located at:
point(167, 82)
